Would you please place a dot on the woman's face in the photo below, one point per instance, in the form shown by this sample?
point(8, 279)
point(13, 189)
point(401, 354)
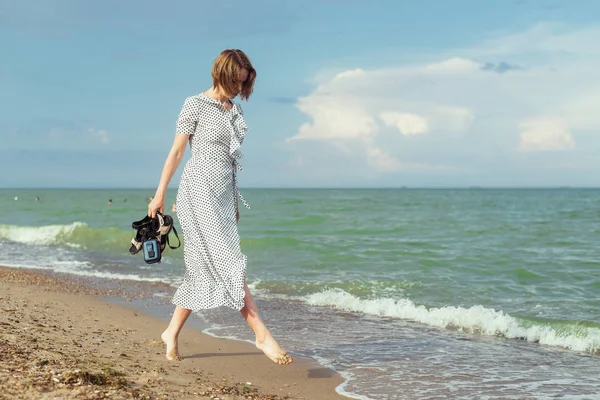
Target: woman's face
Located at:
point(239, 82)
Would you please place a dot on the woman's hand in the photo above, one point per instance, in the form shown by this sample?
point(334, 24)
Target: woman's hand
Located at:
point(157, 204)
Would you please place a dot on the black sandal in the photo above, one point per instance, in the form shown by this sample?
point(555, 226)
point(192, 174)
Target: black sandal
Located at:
point(166, 226)
point(147, 229)
point(150, 229)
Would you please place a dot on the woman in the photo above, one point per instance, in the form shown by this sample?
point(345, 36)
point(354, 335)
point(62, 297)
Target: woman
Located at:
point(207, 203)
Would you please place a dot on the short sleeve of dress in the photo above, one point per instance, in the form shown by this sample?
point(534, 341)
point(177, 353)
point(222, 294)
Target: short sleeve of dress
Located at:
point(188, 117)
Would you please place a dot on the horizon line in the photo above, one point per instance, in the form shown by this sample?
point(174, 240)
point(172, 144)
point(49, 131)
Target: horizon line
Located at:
point(470, 187)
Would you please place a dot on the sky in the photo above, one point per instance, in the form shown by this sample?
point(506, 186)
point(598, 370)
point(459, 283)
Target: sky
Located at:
point(429, 93)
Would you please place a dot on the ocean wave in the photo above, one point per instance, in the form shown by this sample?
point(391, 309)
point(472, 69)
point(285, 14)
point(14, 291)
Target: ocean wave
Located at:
point(359, 287)
point(476, 319)
point(77, 235)
point(41, 235)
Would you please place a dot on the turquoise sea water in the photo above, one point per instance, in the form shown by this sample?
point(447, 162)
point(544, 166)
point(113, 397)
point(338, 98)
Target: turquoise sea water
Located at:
point(469, 293)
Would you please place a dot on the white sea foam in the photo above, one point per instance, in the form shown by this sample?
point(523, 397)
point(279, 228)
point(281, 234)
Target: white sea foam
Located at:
point(476, 319)
point(69, 267)
point(40, 235)
point(81, 268)
point(112, 275)
point(346, 375)
point(252, 285)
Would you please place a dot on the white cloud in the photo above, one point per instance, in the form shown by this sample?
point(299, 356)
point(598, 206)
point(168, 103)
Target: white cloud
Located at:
point(454, 65)
point(545, 134)
point(357, 105)
point(406, 123)
point(353, 73)
point(381, 160)
point(489, 97)
point(334, 118)
point(100, 134)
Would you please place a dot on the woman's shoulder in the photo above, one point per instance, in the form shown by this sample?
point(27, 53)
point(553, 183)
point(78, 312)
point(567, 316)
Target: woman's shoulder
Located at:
point(199, 98)
point(194, 99)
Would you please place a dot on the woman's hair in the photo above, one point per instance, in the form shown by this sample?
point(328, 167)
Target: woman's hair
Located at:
point(226, 73)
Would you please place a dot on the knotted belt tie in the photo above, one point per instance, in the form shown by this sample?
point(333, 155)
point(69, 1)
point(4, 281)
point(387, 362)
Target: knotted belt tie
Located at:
point(237, 166)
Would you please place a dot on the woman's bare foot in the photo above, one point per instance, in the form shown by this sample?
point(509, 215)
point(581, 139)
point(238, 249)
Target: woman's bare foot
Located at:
point(272, 350)
point(171, 343)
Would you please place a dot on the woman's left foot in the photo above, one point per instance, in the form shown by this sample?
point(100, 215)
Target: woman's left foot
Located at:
point(171, 343)
point(272, 350)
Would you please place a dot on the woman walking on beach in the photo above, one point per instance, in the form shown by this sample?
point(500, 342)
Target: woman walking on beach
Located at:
point(207, 203)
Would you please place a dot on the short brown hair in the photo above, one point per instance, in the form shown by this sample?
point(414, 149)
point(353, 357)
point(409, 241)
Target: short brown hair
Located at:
point(226, 71)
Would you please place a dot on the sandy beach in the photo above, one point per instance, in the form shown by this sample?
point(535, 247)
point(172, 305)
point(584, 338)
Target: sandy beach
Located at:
point(63, 339)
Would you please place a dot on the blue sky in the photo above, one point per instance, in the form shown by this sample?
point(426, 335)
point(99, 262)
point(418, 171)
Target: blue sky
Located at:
point(389, 94)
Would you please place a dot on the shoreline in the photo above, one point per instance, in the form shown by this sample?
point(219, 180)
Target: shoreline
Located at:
point(74, 337)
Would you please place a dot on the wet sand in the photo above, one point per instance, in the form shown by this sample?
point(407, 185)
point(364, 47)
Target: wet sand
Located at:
point(64, 338)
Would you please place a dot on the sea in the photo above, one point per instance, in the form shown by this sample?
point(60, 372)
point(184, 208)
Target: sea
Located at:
point(468, 293)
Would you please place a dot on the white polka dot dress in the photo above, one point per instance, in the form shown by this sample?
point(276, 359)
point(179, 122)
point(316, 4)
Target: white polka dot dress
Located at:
point(206, 206)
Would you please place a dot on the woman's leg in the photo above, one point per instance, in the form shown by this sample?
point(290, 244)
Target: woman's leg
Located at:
point(171, 334)
point(264, 340)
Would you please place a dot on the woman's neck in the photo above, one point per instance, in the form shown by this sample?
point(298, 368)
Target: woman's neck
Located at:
point(216, 94)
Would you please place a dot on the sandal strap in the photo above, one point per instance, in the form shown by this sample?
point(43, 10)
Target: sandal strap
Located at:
point(178, 240)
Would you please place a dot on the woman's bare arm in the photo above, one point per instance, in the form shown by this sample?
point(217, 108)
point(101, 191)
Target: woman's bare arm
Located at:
point(171, 164)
